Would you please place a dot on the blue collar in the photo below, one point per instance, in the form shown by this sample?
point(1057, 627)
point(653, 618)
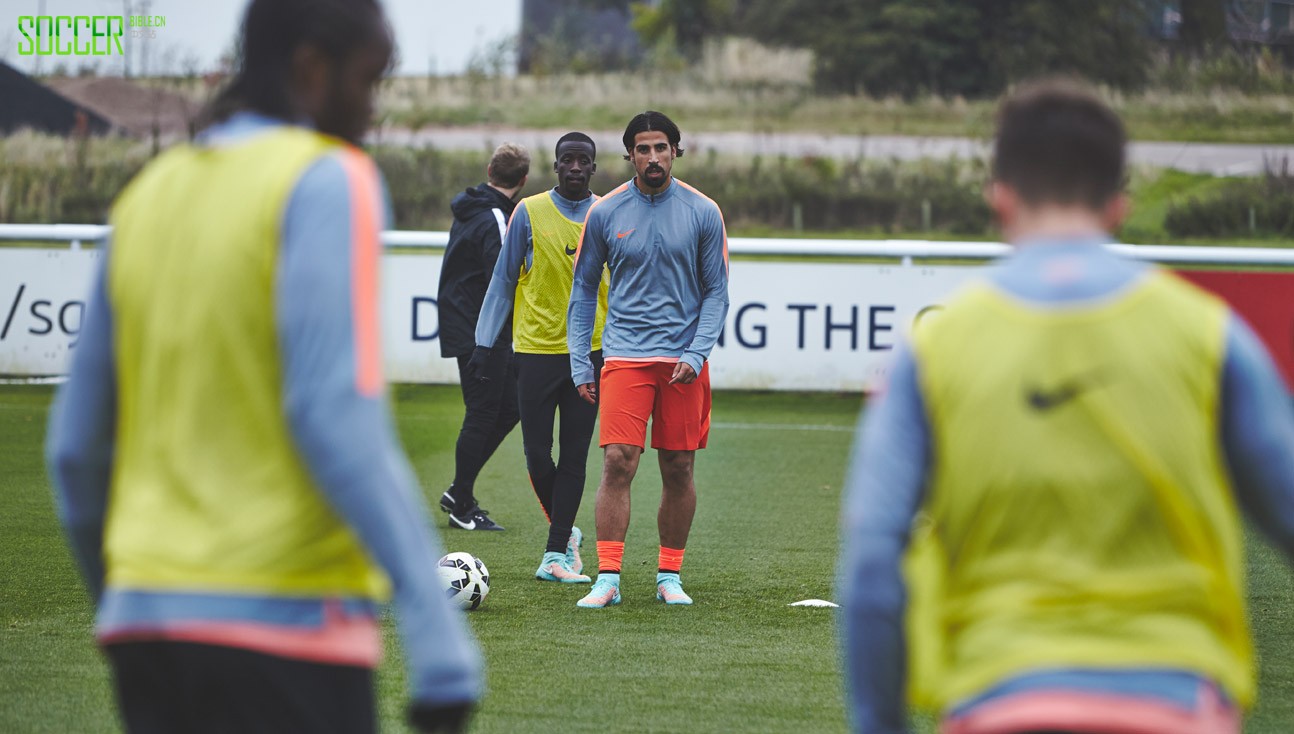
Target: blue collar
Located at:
point(568, 203)
point(1065, 270)
point(240, 125)
point(1051, 244)
point(654, 198)
point(1041, 249)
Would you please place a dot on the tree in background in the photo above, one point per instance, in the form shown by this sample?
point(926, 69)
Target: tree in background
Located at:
point(971, 48)
point(683, 25)
point(966, 47)
point(576, 36)
point(898, 47)
point(1103, 41)
point(1204, 26)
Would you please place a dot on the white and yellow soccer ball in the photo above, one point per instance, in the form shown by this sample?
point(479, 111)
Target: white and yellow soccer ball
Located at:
point(465, 579)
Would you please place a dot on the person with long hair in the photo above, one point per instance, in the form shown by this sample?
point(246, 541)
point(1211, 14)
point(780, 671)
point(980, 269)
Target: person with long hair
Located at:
point(224, 459)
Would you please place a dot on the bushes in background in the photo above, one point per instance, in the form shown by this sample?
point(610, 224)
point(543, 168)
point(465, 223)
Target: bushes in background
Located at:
point(46, 179)
point(814, 193)
point(49, 180)
point(1244, 208)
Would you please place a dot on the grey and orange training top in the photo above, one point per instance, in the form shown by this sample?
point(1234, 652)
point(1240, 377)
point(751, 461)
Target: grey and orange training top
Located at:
point(668, 258)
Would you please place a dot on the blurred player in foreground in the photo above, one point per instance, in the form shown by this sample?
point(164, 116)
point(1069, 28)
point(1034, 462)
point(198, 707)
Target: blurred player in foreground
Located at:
point(532, 285)
point(1078, 435)
point(226, 466)
point(488, 379)
point(667, 251)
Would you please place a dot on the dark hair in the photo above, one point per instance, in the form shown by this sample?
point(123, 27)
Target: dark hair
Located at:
point(652, 121)
point(269, 36)
point(1057, 142)
point(575, 137)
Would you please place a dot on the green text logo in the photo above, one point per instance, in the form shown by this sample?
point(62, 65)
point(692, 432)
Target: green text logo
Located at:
point(70, 35)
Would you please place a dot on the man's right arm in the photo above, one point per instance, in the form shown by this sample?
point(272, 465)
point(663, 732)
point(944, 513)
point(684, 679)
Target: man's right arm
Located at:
point(1258, 435)
point(327, 318)
point(503, 281)
point(590, 258)
point(883, 491)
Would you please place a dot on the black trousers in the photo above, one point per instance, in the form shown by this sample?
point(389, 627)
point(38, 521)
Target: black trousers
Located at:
point(545, 391)
point(491, 415)
point(170, 687)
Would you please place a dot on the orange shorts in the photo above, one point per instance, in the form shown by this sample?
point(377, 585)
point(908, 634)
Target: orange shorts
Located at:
point(632, 392)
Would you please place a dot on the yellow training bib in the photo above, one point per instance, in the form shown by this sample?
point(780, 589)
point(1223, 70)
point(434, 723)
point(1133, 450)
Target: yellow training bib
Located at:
point(1079, 514)
point(544, 289)
point(208, 491)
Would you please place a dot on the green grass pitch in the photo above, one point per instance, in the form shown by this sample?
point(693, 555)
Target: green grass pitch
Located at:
point(739, 660)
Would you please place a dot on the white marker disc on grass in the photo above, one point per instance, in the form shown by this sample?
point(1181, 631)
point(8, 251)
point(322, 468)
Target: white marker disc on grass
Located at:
point(812, 603)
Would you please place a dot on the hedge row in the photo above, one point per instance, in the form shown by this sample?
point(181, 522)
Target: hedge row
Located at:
point(1248, 208)
point(49, 180)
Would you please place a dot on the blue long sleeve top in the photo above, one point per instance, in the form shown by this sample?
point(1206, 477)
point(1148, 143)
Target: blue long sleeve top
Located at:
point(346, 439)
point(888, 475)
point(668, 259)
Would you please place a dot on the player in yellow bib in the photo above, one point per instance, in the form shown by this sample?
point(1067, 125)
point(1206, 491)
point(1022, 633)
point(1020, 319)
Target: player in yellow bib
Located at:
point(532, 281)
point(223, 453)
point(1063, 453)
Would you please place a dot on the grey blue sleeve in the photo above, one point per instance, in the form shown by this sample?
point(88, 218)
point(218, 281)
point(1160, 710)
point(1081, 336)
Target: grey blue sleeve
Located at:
point(884, 489)
point(347, 440)
point(713, 251)
point(503, 281)
point(82, 436)
point(1258, 436)
point(580, 315)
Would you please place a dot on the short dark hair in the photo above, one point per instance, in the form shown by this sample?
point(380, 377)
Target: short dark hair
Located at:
point(509, 165)
point(574, 137)
point(1058, 143)
point(652, 121)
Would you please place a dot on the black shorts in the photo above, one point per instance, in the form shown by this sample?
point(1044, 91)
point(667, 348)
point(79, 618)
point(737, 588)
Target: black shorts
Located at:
point(165, 686)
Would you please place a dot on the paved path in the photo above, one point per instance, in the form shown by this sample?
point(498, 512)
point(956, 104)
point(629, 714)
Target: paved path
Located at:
point(1215, 158)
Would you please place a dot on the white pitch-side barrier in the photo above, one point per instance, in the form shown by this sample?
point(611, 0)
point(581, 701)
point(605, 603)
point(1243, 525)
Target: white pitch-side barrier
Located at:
point(804, 314)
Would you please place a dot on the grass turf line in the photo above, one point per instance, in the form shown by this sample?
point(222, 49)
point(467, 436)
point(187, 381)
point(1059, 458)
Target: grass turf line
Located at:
point(764, 536)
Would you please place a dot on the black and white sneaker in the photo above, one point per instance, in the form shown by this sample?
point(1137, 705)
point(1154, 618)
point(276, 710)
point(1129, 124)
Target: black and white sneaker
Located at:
point(447, 502)
point(473, 519)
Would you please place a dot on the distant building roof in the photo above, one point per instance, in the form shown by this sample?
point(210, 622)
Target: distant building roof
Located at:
point(30, 104)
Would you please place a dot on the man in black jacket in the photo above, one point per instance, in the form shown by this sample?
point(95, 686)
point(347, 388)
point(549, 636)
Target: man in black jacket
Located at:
point(489, 383)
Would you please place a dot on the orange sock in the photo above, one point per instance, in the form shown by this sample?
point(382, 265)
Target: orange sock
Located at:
point(671, 559)
point(610, 554)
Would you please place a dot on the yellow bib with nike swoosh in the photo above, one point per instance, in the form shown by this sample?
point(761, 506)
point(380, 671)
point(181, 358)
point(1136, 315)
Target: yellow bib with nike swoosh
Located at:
point(209, 491)
point(544, 288)
point(1078, 512)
